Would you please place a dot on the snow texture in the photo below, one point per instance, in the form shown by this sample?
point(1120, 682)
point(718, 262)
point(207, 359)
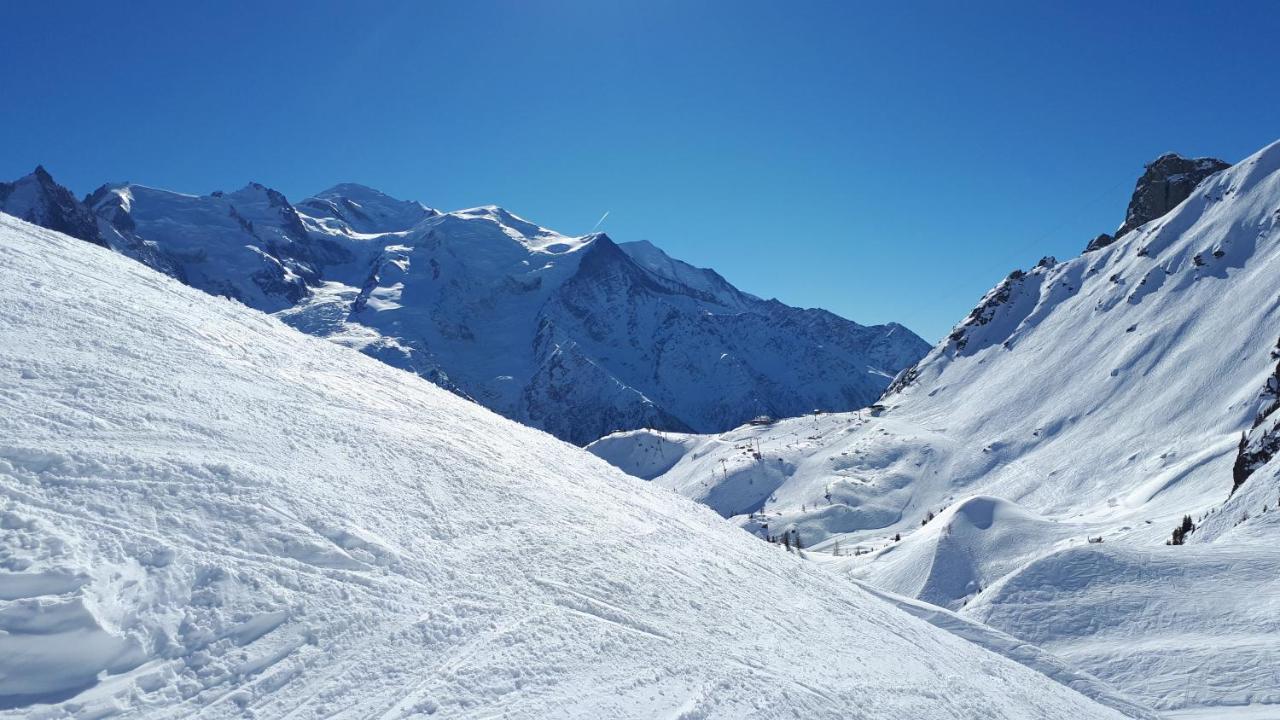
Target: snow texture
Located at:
point(204, 513)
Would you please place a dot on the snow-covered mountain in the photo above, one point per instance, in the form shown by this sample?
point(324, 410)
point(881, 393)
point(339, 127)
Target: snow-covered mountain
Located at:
point(579, 336)
point(37, 199)
point(208, 514)
point(1028, 472)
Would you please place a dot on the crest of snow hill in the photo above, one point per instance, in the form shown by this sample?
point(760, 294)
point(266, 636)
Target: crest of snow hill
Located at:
point(579, 336)
point(1087, 456)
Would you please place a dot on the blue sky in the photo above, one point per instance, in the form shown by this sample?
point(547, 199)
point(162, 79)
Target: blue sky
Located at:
point(885, 161)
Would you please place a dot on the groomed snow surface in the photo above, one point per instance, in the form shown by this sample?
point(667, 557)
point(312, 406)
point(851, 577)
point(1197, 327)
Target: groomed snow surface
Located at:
point(206, 513)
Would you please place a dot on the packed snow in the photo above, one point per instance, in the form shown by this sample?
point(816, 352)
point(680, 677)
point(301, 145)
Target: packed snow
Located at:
point(206, 513)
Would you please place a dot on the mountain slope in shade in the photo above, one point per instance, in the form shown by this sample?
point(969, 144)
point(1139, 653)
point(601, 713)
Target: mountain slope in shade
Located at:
point(1090, 405)
point(208, 514)
point(575, 335)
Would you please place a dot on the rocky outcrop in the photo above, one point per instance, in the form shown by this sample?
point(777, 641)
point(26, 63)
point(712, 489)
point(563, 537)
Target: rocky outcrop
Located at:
point(1100, 242)
point(1168, 180)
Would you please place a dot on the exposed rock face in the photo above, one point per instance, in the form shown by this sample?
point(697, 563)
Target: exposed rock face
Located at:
point(1100, 242)
point(999, 313)
point(1168, 180)
point(37, 199)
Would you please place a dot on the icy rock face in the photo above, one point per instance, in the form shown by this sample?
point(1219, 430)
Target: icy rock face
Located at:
point(37, 199)
point(208, 514)
point(579, 336)
point(1168, 180)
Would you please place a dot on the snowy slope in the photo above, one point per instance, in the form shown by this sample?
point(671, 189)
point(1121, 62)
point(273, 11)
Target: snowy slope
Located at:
point(575, 335)
point(1174, 627)
point(1018, 650)
point(1100, 397)
point(206, 513)
point(1114, 386)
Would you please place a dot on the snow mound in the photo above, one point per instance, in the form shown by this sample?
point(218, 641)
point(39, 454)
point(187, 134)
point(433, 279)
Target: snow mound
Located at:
point(965, 549)
point(205, 513)
point(1173, 626)
point(645, 454)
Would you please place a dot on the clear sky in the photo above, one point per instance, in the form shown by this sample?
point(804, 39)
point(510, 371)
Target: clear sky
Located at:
point(887, 161)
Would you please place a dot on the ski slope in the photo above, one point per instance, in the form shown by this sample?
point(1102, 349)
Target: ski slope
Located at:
point(206, 513)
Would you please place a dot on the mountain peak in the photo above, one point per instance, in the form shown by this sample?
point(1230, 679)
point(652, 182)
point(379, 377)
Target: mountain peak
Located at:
point(1166, 182)
point(358, 208)
point(39, 199)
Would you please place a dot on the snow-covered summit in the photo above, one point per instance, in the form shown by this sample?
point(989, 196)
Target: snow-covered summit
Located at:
point(580, 336)
point(210, 515)
point(249, 244)
point(653, 259)
point(354, 208)
point(36, 198)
